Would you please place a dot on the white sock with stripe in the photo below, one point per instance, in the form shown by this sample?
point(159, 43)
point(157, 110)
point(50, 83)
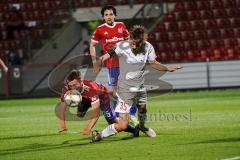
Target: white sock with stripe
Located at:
point(109, 131)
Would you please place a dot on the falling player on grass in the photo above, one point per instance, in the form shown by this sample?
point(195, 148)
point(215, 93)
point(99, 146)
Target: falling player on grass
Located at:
point(99, 98)
point(133, 55)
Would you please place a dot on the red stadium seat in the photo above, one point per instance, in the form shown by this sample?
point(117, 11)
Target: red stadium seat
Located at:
point(233, 12)
point(17, 35)
point(6, 45)
point(161, 27)
point(189, 35)
point(201, 34)
point(179, 6)
point(216, 55)
point(236, 22)
point(1, 46)
point(179, 46)
point(40, 5)
point(230, 54)
point(177, 56)
point(237, 32)
point(192, 45)
point(197, 25)
point(163, 37)
point(212, 24)
point(203, 55)
point(181, 16)
point(28, 6)
point(205, 44)
point(230, 4)
point(191, 5)
point(224, 23)
point(195, 15)
point(203, 5)
point(175, 36)
point(12, 45)
point(207, 14)
point(232, 42)
point(165, 47)
point(165, 56)
point(228, 33)
point(185, 25)
point(216, 4)
point(169, 17)
point(190, 56)
point(152, 37)
point(221, 13)
point(6, 17)
point(217, 43)
point(172, 26)
point(215, 34)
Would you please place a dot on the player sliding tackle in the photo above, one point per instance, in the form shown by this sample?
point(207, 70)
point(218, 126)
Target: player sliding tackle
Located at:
point(133, 57)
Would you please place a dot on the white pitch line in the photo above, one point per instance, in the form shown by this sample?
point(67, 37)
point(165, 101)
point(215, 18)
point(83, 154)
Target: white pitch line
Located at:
point(233, 158)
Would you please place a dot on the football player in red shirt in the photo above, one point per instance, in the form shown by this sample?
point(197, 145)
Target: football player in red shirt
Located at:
point(108, 34)
point(99, 99)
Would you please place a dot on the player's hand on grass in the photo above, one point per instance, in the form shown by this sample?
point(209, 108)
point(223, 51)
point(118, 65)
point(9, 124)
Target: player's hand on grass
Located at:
point(173, 68)
point(86, 131)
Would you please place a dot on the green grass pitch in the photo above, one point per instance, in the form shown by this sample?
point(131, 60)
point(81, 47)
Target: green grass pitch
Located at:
point(190, 125)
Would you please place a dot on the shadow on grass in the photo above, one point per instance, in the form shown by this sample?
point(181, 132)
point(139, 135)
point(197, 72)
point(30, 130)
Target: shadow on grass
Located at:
point(225, 140)
point(65, 144)
point(30, 136)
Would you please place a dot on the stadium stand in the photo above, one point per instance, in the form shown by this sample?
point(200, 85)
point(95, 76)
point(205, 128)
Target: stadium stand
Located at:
point(197, 30)
point(25, 23)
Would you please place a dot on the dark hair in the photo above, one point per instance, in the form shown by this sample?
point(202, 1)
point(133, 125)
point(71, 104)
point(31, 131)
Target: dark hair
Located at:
point(109, 7)
point(138, 33)
point(74, 74)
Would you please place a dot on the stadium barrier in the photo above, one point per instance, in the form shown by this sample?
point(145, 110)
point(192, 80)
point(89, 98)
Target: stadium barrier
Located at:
point(202, 75)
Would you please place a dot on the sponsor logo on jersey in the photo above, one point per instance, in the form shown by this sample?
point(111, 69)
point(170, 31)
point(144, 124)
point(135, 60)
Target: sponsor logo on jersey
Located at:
point(114, 39)
point(105, 33)
point(120, 30)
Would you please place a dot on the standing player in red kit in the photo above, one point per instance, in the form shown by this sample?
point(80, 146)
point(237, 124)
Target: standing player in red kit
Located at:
point(108, 34)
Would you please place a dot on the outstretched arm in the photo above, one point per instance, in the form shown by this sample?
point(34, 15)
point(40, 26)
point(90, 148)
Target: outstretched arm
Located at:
point(3, 65)
point(94, 119)
point(156, 65)
point(61, 116)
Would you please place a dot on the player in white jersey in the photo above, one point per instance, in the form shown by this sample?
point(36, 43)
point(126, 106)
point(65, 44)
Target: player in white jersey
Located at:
point(133, 54)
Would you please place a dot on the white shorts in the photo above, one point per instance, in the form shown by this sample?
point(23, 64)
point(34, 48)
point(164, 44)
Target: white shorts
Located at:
point(122, 107)
point(126, 98)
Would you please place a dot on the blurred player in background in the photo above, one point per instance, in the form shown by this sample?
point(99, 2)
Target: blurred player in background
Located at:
point(93, 95)
point(108, 34)
point(133, 54)
point(5, 68)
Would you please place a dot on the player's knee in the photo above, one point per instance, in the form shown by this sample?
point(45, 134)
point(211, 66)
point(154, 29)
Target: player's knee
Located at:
point(123, 124)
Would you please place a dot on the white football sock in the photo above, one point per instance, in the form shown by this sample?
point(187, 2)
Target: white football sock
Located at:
point(109, 131)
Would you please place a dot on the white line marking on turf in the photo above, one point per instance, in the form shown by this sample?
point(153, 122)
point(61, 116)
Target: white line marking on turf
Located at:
point(233, 158)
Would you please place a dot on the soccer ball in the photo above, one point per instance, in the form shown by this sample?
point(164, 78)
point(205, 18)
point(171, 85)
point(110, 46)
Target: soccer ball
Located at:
point(72, 98)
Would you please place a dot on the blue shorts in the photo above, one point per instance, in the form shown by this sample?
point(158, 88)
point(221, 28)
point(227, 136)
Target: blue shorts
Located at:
point(109, 114)
point(113, 74)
